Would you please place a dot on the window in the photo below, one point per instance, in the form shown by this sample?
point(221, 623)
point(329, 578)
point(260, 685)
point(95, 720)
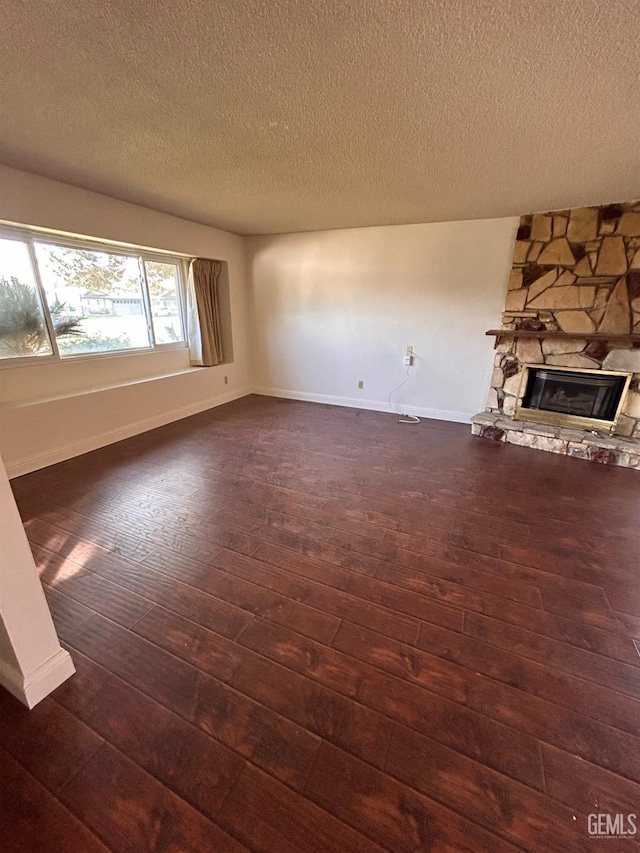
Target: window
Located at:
point(163, 282)
point(23, 331)
point(63, 299)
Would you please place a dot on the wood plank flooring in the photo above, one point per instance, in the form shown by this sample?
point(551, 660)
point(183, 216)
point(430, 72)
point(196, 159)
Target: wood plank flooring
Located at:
point(306, 629)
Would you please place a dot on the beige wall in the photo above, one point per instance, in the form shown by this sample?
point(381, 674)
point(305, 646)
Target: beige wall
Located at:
point(50, 412)
point(334, 307)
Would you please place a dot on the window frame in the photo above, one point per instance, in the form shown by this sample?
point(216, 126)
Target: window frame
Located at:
point(31, 237)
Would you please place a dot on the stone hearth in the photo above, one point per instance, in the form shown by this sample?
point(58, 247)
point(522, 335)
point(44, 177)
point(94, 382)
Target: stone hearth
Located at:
point(610, 450)
point(574, 272)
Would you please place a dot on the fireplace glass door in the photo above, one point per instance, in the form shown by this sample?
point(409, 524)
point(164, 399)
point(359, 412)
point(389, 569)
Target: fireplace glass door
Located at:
point(572, 398)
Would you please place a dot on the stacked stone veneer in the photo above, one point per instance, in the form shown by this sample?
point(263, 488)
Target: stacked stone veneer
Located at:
point(574, 271)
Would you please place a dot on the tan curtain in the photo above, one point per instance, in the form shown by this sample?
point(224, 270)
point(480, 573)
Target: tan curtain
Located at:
point(205, 339)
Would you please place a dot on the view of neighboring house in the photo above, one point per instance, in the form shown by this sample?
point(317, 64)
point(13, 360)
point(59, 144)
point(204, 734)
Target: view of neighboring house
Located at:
point(120, 304)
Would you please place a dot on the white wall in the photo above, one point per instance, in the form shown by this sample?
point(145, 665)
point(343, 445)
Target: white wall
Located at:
point(51, 412)
point(333, 307)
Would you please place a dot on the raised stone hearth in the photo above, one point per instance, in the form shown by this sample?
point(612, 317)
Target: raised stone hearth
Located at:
point(608, 450)
point(574, 272)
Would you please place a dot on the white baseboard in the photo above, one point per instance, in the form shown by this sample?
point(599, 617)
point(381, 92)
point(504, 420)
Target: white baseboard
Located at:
point(32, 688)
point(32, 463)
point(371, 405)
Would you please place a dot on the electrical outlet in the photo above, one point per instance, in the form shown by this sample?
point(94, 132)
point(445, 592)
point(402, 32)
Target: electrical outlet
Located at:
point(226, 380)
point(360, 383)
point(409, 350)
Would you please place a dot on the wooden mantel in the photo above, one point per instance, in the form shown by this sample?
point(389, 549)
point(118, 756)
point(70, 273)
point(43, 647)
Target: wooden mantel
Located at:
point(498, 334)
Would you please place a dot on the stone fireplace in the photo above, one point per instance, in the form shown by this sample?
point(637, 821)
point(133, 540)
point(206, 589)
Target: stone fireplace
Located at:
point(566, 374)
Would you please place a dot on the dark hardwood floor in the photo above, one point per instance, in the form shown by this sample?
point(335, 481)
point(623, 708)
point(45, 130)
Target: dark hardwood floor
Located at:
point(305, 629)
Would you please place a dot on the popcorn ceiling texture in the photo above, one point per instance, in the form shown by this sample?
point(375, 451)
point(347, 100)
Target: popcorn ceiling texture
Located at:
point(297, 115)
point(574, 271)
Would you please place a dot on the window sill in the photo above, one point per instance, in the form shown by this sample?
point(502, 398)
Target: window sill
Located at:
point(35, 360)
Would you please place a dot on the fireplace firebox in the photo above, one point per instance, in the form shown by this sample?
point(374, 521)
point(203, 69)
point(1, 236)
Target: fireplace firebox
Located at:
point(571, 397)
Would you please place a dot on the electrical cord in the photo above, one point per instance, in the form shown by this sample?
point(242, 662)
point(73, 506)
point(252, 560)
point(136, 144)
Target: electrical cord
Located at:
point(404, 419)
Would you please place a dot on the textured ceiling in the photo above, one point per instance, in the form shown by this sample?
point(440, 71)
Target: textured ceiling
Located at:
point(263, 116)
